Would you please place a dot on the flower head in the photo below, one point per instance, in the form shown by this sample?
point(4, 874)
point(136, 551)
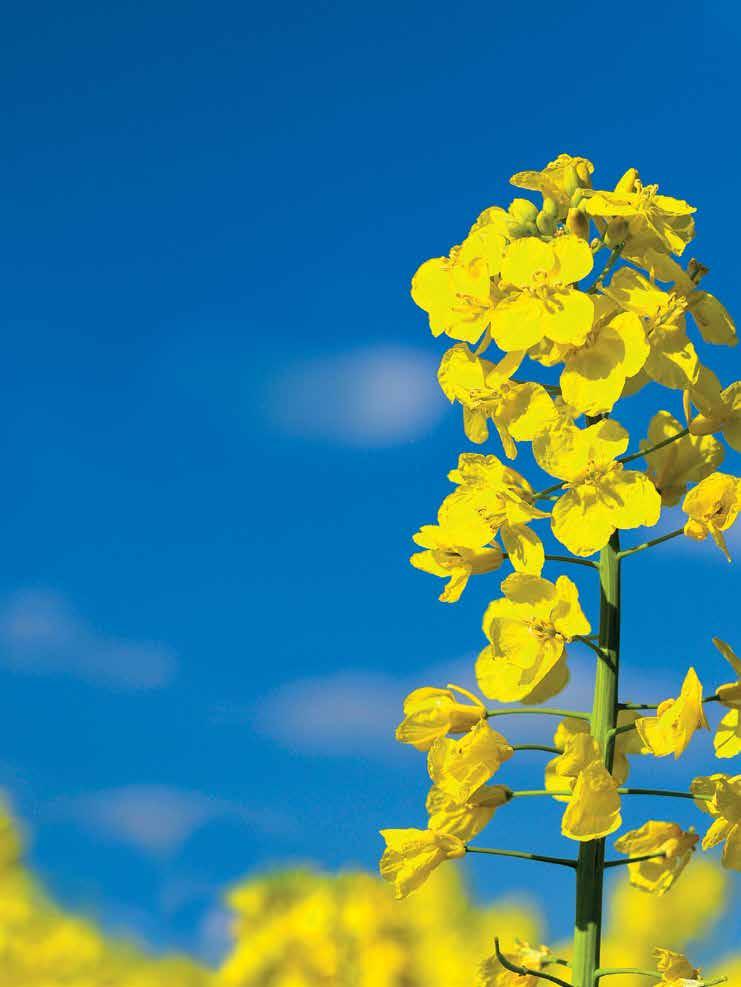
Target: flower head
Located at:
point(412, 854)
point(686, 460)
point(720, 796)
point(676, 720)
point(529, 629)
point(465, 820)
point(712, 507)
point(600, 495)
point(457, 547)
point(558, 180)
point(720, 409)
point(537, 295)
point(675, 968)
point(459, 767)
point(580, 750)
point(667, 838)
point(430, 713)
point(518, 410)
point(594, 807)
point(626, 742)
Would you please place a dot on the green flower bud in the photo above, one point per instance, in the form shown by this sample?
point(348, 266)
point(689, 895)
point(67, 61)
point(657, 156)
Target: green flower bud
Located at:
point(616, 232)
point(571, 180)
point(546, 224)
point(550, 207)
point(523, 210)
point(577, 223)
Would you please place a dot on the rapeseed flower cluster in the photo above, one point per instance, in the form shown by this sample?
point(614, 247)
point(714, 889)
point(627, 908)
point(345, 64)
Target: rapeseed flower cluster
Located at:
point(588, 289)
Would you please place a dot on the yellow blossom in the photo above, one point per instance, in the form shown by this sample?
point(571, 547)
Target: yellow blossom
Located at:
point(595, 370)
point(457, 291)
point(646, 211)
point(686, 460)
point(720, 409)
point(730, 693)
point(457, 547)
point(465, 820)
point(504, 499)
point(625, 743)
point(518, 410)
point(459, 767)
point(676, 720)
point(594, 807)
point(529, 629)
point(675, 968)
point(600, 495)
point(412, 854)
point(580, 749)
point(727, 740)
point(558, 180)
point(722, 801)
point(712, 507)
point(430, 713)
point(658, 875)
point(493, 974)
point(672, 359)
point(538, 298)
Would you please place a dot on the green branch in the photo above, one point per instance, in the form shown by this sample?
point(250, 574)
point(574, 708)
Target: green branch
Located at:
point(536, 747)
point(638, 972)
point(571, 560)
point(532, 710)
point(522, 855)
point(524, 971)
point(659, 445)
point(634, 860)
point(650, 544)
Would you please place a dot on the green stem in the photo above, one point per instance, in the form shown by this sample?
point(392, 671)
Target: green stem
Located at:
point(650, 544)
point(572, 560)
point(530, 792)
point(536, 747)
point(659, 445)
point(524, 971)
point(590, 868)
point(531, 710)
point(633, 860)
point(543, 494)
point(611, 261)
point(522, 855)
point(637, 971)
point(664, 792)
point(590, 644)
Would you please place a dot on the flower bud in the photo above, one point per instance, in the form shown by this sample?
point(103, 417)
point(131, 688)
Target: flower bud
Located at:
point(628, 182)
point(523, 211)
point(577, 223)
point(570, 180)
point(546, 224)
point(616, 232)
point(583, 174)
point(696, 271)
point(550, 207)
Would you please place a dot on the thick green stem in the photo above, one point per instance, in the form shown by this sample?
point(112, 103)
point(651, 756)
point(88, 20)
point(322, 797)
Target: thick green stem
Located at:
point(591, 864)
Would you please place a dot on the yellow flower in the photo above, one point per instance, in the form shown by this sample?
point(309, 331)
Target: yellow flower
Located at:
point(646, 211)
point(580, 750)
point(600, 495)
point(727, 741)
point(595, 370)
point(730, 693)
point(720, 410)
point(672, 359)
point(670, 731)
point(712, 507)
point(722, 801)
point(459, 767)
point(518, 410)
point(594, 808)
point(411, 855)
point(529, 629)
point(504, 499)
point(493, 974)
point(625, 743)
point(457, 291)
point(457, 547)
point(558, 180)
point(675, 968)
point(686, 460)
point(658, 875)
point(465, 820)
point(430, 713)
point(538, 298)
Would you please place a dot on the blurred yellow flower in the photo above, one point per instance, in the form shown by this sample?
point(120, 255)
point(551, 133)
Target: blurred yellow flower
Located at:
point(459, 767)
point(457, 547)
point(712, 507)
point(412, 854)
point(594, 807)
point(675, 722)
point(430, 713)
point(657, 876)
point(600, 495)
point(528, 629)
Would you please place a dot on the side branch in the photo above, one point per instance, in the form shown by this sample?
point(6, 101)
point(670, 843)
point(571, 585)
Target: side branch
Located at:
point(522, 855)
point(638, 972)
point(634, 860)
point(525, 971)
point(532, 710)
point(659, 445)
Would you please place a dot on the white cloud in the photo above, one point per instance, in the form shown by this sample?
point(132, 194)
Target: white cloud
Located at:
point(158, 819)
point(371, 396)
point(40, 633)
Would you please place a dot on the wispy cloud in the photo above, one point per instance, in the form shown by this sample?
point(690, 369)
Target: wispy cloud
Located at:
point(370, 396)
point(40, 633)
point(158, 819)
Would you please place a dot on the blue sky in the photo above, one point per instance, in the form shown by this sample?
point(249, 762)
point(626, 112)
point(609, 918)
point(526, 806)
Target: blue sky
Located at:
point(221, 418)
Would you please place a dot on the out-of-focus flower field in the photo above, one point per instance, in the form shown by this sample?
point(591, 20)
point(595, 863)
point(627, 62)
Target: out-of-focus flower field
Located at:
point(303, 929)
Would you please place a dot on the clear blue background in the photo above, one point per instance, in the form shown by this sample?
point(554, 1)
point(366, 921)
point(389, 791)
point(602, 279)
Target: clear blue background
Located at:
point(210, 216)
